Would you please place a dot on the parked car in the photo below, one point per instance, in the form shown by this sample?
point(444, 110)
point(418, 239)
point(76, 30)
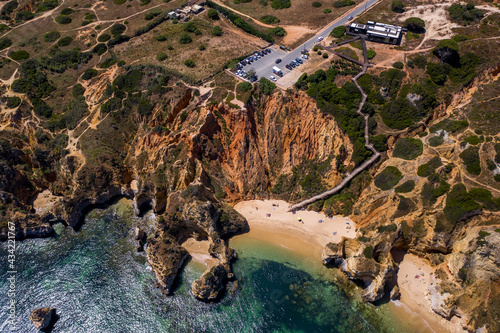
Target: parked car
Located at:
point(268, 50)
point(288, 67)
point(254, 78)
point(272, 78)
point(305, 56)
point(278, 61)
point(298, 60)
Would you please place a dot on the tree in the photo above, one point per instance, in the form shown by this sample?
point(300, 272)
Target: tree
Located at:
point(447, 51)
point(189, 63)
point(213, 14)
point(185, 39)
point(266, 86)
point(217, 31)
point(397, 6)
point(338, 31)
point(415, 24)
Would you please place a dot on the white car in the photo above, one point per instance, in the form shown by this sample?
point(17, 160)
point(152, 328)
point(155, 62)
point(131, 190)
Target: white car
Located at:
point(272, 78)
point(320, 39)
point(304, 56)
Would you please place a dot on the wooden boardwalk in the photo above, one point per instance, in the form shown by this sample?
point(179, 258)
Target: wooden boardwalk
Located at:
point(368, 145)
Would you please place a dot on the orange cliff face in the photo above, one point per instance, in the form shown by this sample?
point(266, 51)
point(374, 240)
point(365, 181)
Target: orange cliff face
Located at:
point(245, 150)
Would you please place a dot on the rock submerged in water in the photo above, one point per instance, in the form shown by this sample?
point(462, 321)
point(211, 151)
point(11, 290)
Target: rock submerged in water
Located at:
point(42, 317)
point(211, 285)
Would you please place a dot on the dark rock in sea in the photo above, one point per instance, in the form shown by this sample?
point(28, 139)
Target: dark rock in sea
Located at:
point(42, 317)
point(140, 237)
point(211, 285)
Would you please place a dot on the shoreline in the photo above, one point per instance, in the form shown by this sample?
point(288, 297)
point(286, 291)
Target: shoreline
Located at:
point(310, 238)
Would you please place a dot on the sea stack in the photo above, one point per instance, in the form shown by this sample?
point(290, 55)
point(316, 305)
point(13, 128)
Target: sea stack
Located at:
point(42, 317)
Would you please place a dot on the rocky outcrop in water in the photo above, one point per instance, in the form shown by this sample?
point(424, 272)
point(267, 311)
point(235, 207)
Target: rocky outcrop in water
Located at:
point(211, 285)
point(42, 317)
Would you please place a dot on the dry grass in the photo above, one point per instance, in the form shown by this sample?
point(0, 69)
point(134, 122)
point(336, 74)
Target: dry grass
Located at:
point(301, 12)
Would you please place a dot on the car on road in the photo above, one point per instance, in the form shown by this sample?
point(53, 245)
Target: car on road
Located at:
point(298, 60)
point(320, 38)
point(350, 18)
point(272, 78)
point(277, 61)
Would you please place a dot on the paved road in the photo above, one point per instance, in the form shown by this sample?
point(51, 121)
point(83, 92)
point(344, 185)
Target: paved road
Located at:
point(263, 66)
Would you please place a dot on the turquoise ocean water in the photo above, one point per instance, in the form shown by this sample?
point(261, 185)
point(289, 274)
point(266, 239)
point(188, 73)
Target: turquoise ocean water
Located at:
point(98, 283)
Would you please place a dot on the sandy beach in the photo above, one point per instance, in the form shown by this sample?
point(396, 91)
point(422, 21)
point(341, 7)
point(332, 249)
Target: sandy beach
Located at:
point(415, 276)
point(305, 232)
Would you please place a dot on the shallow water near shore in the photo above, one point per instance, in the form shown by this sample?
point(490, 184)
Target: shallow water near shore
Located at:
point(98, 283)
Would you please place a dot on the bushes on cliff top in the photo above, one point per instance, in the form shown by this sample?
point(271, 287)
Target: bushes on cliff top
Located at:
point(408, 148)
point(267, 87)
point(465, 14)
point(428, 168)
point(460, 205)
point(269, 19)
point(471, 160)
point(5, 43)
point(450, 126)
point(343, 3)
point(388, 178)
point(406, 187)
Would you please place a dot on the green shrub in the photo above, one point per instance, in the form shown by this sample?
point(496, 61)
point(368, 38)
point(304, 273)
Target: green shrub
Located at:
point(387, 228)
point(450, 126)
point(408, 148)
point(277, 31)
point(473, 140)
point(371, 54)
point(202, 47)
point(406, 187)
point(108, 62)
point(269, 19)
point(436, 140)
point(217, 31)
point(213, 14)
point(471, 160)
point(460, 205)
point(244, 87)
point(151, 15)
point(339, 31)
point(161, 56)
point(480, 194)
point(437, 72)
point(161, 38)
point(379, 142)
point(89, 74)
point(414, 24)
point(185, 38)
point(117, 28)
point(65, 41)
point(62, 19)
point(189, 63)
point(111, 105)
point(343, 3)
point(19, 55)
point(5, 43)
point(317, 4)
point(388, 178)
point(77, 90)
point(67, 11)
point(100, 48)
point(51, 36)
point(367, 252)
point(280, 4)
point(24, 15)
point(13, 102)
point(327, 11)
point(397, 6)
point(465, 14)
point(267, 87)
point(430, 167)
point(325, 55)
point(398, 65)
point(103, 38)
